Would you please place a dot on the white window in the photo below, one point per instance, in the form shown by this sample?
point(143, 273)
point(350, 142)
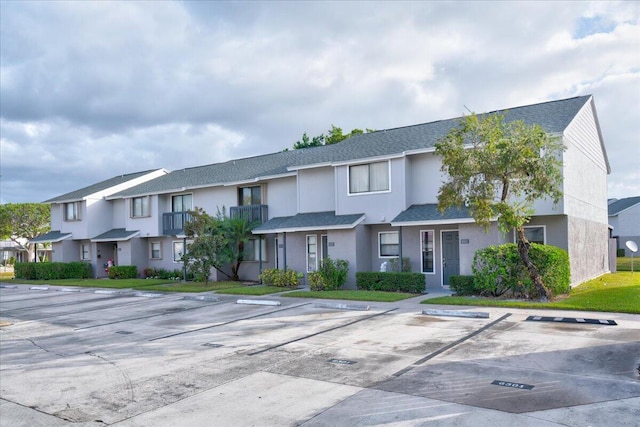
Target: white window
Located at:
point(426, 238)
point(155, 251)
point(178, 251)
point(182, 203)
point(369, 178)
point(535, 234)
point(388, 244)
point(312, 253)
point(72, 211)
point(139, 207)
point(253, 249)
point(85, 254)
point(324, 246)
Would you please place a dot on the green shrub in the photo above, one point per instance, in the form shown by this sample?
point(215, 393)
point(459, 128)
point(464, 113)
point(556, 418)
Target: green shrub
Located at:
point(330, 276)
point(620, 252)
point(462, 285)
point(123, 272)
point(406, 264)
point(499, 271)
point(52, 270)
point(390, 281)
point(161, 273)
point(280, 278)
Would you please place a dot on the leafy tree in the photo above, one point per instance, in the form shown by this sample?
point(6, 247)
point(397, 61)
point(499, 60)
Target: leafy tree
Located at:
point(333, 136)
point(499, 169)
point(24, 221)
point(217, 242)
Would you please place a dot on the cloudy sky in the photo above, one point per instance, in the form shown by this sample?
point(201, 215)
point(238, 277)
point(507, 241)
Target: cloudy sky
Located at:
point(90, 90)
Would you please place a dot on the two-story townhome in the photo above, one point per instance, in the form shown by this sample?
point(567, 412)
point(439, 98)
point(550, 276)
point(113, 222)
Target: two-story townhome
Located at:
point(371, 199)
point(87, 227)
point(624, 219)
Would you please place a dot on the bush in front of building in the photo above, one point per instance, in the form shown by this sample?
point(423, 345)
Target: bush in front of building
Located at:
point(52, 270)
point(462, 285)
point(390, 281)
point(499, 271)
point(123, 272)
point(280, 278)
point(161, 273)
point(331, 275)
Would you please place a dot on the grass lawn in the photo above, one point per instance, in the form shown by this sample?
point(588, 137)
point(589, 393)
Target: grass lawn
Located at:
point(617, 293)
point(193, 286)
point(253, 290)
point(352, 295)
point(624, 263)
point(6, 275)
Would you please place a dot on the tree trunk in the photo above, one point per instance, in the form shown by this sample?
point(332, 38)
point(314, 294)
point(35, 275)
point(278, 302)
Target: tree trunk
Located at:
point(523, 251)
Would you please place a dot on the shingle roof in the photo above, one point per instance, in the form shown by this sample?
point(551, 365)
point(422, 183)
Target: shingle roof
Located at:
point(619, 205)
point(115, 234)
point(309, 221)
point(52, 236)
point(429, 213)
point(553, 116)
point(100, 186)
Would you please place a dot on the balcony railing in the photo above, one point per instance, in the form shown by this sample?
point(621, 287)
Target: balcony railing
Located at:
point(173, 222)
point(252, 213)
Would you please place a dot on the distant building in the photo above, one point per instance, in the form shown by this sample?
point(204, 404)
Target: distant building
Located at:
point(624, 217)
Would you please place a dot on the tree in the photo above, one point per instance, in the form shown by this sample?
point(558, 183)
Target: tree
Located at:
point(499, 169)
point(24, 221)
point(217, 242)
point(333, 136)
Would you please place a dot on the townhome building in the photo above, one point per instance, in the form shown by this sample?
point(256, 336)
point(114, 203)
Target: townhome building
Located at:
point(369, 199)
point(624, 219)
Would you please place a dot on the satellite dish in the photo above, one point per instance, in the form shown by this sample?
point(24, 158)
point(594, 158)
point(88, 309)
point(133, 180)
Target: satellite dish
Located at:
point(632, 246)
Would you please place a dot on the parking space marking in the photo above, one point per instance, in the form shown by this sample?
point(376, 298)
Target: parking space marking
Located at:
point(451, 345)
point(321, 332)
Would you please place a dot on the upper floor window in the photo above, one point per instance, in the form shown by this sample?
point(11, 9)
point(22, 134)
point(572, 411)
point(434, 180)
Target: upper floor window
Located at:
point(249, 196)
point(389, 244)
point(369, 178)
point(182, 203)
point(72, 211)
point(139, 207)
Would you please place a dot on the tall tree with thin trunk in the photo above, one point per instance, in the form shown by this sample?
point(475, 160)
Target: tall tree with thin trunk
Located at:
point(498, 169)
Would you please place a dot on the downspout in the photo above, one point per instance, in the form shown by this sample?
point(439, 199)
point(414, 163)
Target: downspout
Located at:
point(400, 249)
point(284, 250)
point(184, 261)
point(260, 258)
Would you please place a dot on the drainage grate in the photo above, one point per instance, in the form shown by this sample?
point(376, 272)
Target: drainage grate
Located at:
point(212, 345)
point(512, 385)
point(341, 361)
point(124, 332)
point(572, 320)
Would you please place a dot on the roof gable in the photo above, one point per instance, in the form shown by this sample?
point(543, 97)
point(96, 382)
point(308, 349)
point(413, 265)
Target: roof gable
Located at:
point(623, 204)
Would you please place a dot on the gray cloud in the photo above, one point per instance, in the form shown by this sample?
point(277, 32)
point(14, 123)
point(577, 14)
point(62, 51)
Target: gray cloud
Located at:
point(94, 89)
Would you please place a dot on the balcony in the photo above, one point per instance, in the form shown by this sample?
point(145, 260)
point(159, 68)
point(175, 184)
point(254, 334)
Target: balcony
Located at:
point(252, 213)
point(173, 223)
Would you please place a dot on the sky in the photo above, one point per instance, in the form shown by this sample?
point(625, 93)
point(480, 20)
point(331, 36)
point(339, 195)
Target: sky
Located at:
point(90, 90)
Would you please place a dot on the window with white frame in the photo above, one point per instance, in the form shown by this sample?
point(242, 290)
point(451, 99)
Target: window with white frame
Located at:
point(535, 234)
point(426, 243)
point(312, 253)
point(72, 211)
point(85, 253)
point(140, 207)
point(388, 244)
point(369, 178)
point(155, 250)
point(253, 248)
point(178, 251)
point(182, 203)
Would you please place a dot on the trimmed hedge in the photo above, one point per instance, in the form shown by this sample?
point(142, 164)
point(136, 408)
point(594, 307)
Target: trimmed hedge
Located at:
point(499, 271)
point(52, 270)
point(161, 273)
point(279, 278)
point(462, 285)
point(123, 272)
point(390, 281)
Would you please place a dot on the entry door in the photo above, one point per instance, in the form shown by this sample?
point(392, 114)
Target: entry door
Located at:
point(450, 256)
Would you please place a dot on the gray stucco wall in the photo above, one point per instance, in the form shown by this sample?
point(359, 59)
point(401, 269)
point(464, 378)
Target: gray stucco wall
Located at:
point(588, 249)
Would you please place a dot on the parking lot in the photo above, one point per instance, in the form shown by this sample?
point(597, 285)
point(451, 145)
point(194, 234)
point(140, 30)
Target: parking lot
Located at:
point(94, 357)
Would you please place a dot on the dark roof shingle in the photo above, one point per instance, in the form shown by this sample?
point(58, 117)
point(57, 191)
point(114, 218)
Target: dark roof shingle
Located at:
point(622, 204)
